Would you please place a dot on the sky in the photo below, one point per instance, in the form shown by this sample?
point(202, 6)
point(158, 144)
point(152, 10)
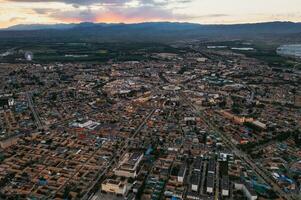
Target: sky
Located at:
point(14, 12)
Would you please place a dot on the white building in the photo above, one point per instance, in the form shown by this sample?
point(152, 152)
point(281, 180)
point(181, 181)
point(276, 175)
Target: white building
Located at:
point(115, 186)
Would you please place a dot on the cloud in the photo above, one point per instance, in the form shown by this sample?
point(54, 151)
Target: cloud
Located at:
point(190, 17)
point(119, 11)
point(44, 11)
point(86, 15)
point(79, 2)
point(111, 14)
point(132, 11)
point(16, 19)
point(109, 2)
point(110, 10)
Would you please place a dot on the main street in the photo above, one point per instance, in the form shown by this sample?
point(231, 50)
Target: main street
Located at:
point(35, 114)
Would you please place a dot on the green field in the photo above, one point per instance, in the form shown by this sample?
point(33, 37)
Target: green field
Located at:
point(265, 52)
point(84, 52)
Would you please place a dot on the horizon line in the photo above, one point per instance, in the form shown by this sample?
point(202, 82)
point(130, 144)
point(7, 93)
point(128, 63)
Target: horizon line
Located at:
point(144, 22)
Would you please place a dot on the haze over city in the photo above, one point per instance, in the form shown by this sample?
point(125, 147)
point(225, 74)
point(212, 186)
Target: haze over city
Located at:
point(133, 11)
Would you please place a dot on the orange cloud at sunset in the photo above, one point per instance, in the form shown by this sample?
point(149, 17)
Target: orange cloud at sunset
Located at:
point(118, 18)
point(115, 18)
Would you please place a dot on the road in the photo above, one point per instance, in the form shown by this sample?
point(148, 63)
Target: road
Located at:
point(35, 114)
point(260, 172)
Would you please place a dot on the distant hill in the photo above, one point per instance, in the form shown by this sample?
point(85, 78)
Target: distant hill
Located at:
point(152, 31)
point(31, 27)
point(34, 27)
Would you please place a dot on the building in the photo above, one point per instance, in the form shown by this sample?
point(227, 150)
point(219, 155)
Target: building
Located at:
point(211, 167)
point(115, 186)
point(234, 118)
point(197, 164)
point(259, 124)
point(91, 125)
point(225, 186)
point(128, 166)
point(193, 195)
point(195, 181)
point(7, 142)
point(190, 121)
point(181, 174)
point(247, 190)
point(210, 183)
point(6, 101)
point(298, 99)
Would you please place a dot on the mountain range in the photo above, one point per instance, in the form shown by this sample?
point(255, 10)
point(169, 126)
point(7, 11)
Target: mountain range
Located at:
point(151, 31)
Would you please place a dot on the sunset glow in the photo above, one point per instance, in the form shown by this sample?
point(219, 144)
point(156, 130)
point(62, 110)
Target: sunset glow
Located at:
point(14, 12)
